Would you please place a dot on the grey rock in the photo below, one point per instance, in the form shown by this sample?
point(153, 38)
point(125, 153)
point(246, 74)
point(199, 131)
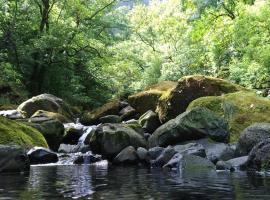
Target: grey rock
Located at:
point(164, 157)
point(67, 148)
point(143, 154)
point(155, 152)
point(110, 119)
point(239, 163)
point(191, 149)
point(127, 156)
point(40, 155)
point(194, 124)
point(251, 136)
point(149, 121)
point(223, 165)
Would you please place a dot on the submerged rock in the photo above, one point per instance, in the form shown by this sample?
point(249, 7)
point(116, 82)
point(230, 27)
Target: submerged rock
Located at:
point(189, 88)
point(251, 136)
point(149, 121)
point(109, 139)
point(194, 124)
point(240, 109)
point(39, 155)
point(46, 102)
point(13, 159)
point(127, 156)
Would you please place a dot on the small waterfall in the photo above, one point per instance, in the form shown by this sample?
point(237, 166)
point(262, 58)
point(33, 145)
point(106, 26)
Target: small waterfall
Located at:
point(88, 130)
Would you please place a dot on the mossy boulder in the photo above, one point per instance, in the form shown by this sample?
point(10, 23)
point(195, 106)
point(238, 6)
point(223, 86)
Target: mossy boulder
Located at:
point(16, 133)
point(148, 99)
point(189, 88)
point(240, 109)
point(52, 130)
point(92, 117)
point(45, 115)
point(46, 102)
point(110, 139)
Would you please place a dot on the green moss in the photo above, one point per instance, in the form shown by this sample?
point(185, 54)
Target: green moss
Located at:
point(12, 132)
point(148, 99)
point(189, 88)
point(51, 115)
point(241, 109)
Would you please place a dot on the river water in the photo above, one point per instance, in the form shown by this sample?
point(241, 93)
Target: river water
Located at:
point(129, 183)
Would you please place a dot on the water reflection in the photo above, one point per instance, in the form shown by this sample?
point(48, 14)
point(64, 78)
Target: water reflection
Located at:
point(103, 182)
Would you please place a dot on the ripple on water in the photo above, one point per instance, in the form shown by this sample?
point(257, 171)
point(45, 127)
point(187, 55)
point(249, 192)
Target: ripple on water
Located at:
point(103, 182)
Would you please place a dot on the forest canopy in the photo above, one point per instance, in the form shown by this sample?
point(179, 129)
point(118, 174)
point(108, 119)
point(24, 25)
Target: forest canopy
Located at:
point(88, 51)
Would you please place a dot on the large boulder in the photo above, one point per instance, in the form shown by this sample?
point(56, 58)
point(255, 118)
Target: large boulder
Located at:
point(16, 133)
point(39, 155)
point(110, 139)
point(189, 88)
point(110, 108)
point(251, 136)
point(127, 156)
point(149, 121)
point(240, 109)
point(194, 124)
point(13, 159)
point(259, 157)
point(148, 99)
point(52, 130)
point(45, 102)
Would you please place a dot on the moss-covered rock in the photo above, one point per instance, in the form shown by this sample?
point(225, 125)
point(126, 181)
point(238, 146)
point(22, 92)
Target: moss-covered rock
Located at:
point(148, 99)
point(46, 102)
point(110, 108)
point(241, 109)
point(15, 133)
point(189, 88)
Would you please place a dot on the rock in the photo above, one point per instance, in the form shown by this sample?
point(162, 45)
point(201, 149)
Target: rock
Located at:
point(110, 119)
point(175, 102)
point(111, 108)
point(11, 114)
point(143, 154)
point(42, 115)
point(16, 133)
point(218, 151)
point(189, 163)
point(223, 165)
point(39, 155)
point(259, 156)
point(191, 149)
point(67, 148)
point(251, 136)
point(194, 124)
point(87, 158)
point(155, 152)
point(127, 156)
point(127, 113)
point(13, 159)
point(240, 109)
point(46, 102)
point(239, 163)
point(52, 130)
point(148, 99)
point(149, 121)
point(110, 139)
point(164, 157)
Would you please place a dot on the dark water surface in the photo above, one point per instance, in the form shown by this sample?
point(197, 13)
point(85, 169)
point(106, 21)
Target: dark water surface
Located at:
point(103, 182)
